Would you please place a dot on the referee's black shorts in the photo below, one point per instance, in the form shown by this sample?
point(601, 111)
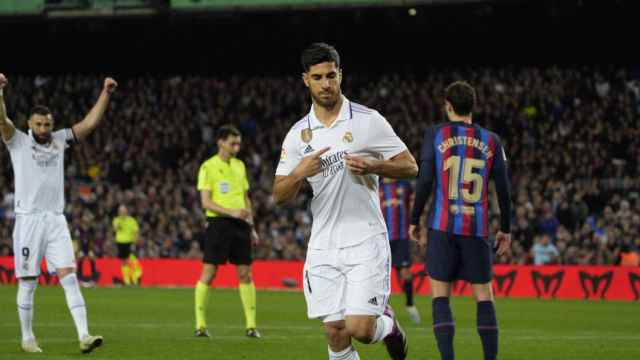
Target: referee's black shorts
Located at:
point(124, 250)
point(229, 240)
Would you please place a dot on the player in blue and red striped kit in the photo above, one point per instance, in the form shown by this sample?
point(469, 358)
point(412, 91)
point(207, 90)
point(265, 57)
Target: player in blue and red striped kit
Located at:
point(461, 158)
point(395, 203)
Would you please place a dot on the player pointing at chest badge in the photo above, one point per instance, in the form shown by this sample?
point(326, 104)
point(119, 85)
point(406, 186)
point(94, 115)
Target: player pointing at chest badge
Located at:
point(341, 148)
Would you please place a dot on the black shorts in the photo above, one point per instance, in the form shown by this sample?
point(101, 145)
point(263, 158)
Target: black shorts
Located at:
point(456, 257)
point(400, 255)
point(227, 240)
point(124, 250)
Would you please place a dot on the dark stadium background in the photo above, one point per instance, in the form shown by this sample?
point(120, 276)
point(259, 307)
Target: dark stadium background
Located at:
point(371, 39)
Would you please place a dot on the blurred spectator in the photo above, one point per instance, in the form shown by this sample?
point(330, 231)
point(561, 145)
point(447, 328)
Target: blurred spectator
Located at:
point(544, 252)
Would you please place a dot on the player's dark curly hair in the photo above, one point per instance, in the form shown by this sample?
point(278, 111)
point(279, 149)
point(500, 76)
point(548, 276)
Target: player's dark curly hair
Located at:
point(318, 53)
point(462, 97)
point(40, 110)
point(225, 131)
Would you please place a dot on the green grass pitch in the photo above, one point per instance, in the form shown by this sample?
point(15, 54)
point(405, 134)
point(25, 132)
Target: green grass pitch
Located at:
point(151, 323)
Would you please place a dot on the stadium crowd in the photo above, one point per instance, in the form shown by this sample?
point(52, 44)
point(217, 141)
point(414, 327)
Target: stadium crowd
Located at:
point(571, 136)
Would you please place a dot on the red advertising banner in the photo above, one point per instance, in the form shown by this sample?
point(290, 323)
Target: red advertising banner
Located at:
point(561, 282)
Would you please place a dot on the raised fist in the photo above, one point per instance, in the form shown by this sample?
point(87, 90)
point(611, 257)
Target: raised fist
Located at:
point(110, 85)
point(3, 81)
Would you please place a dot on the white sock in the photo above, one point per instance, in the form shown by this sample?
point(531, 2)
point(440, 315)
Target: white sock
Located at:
point(75, 302)
point(384, 326)
point(26, 289)
point(349, 353)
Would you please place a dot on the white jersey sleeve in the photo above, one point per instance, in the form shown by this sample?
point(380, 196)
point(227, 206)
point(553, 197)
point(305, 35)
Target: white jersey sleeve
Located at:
point(382, 139)
point(64, 135)
point(17, 140)
point(290, 155)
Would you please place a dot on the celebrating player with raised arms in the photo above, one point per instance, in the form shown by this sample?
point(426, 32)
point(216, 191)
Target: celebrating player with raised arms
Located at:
point(41, 228)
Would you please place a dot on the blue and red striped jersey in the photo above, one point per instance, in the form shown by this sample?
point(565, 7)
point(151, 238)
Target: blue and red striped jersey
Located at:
point(460, 159)
point(395, 202)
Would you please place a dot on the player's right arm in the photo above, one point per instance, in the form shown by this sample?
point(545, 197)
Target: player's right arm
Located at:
point(6, 126)
point(114, 223)
point(424, 184)
point(293, 169)
point(286, 187)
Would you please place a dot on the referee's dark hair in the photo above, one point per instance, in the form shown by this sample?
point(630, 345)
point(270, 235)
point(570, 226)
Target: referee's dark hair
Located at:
point(225, 131)
point(462, 97)
point(318, 53)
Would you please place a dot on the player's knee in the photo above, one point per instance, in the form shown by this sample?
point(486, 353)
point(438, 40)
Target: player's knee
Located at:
point(337, 336)
point(207, 278)
point(63, 272)
point(482, 292)
point(361, 330)
point(208, 274)
point(244, 274)
point(334, 333)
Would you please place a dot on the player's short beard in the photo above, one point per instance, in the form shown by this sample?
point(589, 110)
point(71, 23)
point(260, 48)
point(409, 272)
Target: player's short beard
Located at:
point(42, 139)
point(329, 103)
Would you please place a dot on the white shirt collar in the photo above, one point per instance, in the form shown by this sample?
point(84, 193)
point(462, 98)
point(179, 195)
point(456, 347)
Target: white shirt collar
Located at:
point(345, 114)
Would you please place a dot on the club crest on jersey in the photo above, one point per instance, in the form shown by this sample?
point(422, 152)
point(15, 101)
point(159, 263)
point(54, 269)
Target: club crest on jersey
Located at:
point(308, 149)
point(348, 137)
point(306, 135)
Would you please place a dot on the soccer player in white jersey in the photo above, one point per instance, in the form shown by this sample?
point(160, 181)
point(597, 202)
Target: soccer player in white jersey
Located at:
point(41, 228)
point(341, 148)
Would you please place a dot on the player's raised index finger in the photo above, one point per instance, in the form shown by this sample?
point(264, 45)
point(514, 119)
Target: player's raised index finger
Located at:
point(321, 151)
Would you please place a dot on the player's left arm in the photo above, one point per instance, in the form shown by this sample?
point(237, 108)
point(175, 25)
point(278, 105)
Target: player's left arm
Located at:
point(500, 175)
point(82, 129)
point(116, 224)
point(396, 163)
point(401, 166)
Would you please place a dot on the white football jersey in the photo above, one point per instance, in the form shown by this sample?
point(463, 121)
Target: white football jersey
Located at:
point(345, 207)
point(39, 171)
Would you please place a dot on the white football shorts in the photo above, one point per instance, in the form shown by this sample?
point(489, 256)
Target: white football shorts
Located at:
point(355, 280)
point(41, 234)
